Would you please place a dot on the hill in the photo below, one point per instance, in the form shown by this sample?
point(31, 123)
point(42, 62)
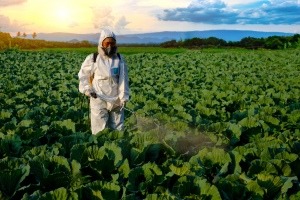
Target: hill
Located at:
point(159, 37)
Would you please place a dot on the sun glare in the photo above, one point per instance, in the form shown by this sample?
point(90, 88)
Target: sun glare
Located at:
point(63, 14)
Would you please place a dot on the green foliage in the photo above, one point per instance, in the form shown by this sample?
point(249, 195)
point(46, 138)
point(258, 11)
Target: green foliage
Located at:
point(13, 173)
point(272, 42)
point(245, 104)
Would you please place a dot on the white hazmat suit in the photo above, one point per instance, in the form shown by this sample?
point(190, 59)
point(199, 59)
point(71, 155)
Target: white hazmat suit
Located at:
point(110, 84)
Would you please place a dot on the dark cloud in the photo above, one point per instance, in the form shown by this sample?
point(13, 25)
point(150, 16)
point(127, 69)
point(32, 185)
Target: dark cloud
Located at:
point(11, 2)
point(217, 12)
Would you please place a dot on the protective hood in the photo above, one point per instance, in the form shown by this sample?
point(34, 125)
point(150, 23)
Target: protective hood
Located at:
point(105, 34)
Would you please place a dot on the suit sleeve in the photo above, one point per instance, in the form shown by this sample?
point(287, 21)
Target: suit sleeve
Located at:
point(123, 82)
point(85, 73)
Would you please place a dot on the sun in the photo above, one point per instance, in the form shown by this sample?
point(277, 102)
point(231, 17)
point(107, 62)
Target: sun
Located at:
point(63, 14)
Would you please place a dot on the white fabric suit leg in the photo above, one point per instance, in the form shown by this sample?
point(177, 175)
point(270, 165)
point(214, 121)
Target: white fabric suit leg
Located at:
point(99, 115)
point(101, 118)
point(116, 120)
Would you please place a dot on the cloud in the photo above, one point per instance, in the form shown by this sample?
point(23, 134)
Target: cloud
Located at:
point(121, 24)
point(6, 25)
point(104, 18)
point(11, 2)
point(217, 12)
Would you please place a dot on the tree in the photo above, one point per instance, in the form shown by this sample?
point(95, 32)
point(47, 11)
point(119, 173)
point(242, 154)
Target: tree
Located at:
point(295, 40)
point(171, 43)
point(19, 34)
point(5, 39)
point(274, 42)
point(24, 35)
point(194, 42)
point(252, 43)
point(213, 41)
point(34, 35)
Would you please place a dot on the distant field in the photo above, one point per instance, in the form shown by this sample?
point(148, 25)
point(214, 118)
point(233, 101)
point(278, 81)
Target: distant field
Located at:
point(136, 50)
point(123, 50)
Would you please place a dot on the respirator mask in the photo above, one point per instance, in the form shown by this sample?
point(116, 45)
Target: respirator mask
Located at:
point(110, 51)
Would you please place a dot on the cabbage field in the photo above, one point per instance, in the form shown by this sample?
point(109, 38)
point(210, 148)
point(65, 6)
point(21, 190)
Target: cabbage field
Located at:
point(207, 124)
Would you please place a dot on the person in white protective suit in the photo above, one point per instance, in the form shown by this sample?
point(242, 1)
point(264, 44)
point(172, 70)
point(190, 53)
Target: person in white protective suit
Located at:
point(105, 81)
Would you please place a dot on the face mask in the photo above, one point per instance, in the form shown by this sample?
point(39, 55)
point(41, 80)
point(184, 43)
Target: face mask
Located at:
point(110, 51)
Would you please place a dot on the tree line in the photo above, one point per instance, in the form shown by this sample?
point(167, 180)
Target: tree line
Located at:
point(25, 35)
point(20, 42)
point(272, 42)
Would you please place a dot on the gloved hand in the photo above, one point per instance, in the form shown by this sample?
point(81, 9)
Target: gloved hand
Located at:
point(90, 93)
point(122, 105)
point(118, 106)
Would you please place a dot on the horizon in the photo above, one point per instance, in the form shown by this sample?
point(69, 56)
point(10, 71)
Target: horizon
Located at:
point(163, 36)
point(170, 31)
point(90, 16)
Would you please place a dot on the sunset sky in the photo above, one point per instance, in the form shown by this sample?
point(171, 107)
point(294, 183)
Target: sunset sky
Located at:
point(132, 16)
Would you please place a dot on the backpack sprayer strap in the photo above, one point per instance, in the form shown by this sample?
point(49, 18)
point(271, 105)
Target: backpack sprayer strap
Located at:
point(95, 55)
